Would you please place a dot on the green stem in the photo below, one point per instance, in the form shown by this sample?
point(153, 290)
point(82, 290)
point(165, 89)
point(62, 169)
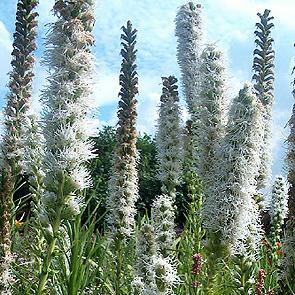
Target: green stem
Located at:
point(119, 264)
point(49, 255)
point(215, 252)
point(46, 266)
point(50, 249)
point(74, 261)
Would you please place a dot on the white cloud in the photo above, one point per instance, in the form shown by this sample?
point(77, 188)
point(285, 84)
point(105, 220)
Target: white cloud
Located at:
point(5, 37)
point(278, 142)
point(148, 112)
point(155, 25)
point(282, 10)
point(106, 88)
point(5, 57)
point(280, 133)
point(45, 13)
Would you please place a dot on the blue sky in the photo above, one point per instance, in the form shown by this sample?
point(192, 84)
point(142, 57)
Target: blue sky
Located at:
point(229, 23)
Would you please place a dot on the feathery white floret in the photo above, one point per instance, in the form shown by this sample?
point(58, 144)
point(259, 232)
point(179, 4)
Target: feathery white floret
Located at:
point(34, 150)
point(163, 214)
point(230, 208)
point(288, 262)
point(169, 137)
point(33, 159)
point(15, 113)
point(263, 66)
point(289, 241)
point(122, 210)
point(165, 275)
point(137, 286)
point(211, 125)
point(123, 186)
point(66, 101)
point(189, 33)
point(279, 203)
point(144, 282)
point(266, 158)
point(169, 147)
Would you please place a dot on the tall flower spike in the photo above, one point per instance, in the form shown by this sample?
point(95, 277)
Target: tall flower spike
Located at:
point(168, 138)
point(123, 187)
point(144, 280)
point(189, 36)
point(163, 214)
point(230, 209)
point(163, 222)
point(5, 223)
point(66, 101)
point(17, 104)
point(212, 121)
point(260, 281)
point(189, 33)
point(165, 275)
point(263, 67)
point(289, 242)
point(279, 206)
point(169, 156)
point(288, 263)
point(33, 157)
point(20, 83)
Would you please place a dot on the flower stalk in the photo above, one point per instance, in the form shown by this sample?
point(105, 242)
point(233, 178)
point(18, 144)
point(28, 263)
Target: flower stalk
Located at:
point(289, 239)
point(211, 125)
point(123, 185)
point(189, 33)
point(66, 102)
point(230, 210)
point(144, 282)
point(263, 77)
point(15, 113)
point(279, 207)
point(169, 138)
